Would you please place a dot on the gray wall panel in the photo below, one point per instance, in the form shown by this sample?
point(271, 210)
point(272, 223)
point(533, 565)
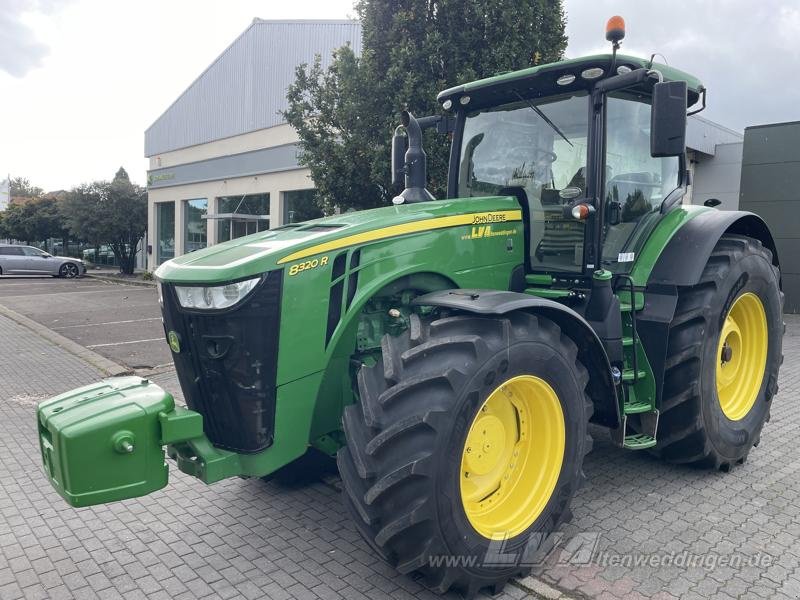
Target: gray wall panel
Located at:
point(788, 253)
point(772, 144)
point(782, 218)
point(769, 188)
point(245, 88)
point(257, 162)
point(791, 289)
point(771, 182)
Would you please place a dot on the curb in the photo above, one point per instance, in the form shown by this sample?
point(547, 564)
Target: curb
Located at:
point(120, 281)
point(109, 367)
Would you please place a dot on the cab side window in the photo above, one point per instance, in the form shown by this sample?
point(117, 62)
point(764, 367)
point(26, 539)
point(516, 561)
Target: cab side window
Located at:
point(636, 183)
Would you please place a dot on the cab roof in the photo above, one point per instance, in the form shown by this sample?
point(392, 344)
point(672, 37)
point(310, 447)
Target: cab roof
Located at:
point(541, 80)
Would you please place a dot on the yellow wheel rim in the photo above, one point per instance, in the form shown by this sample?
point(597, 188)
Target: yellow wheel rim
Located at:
point(741, 356)
point(512, 457)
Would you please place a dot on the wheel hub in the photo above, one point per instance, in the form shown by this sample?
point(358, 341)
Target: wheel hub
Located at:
point(512, 457)
point(742, 356)
point(485, 444)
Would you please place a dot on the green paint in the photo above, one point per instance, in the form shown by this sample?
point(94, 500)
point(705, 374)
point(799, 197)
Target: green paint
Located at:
point(329, 443)
point(101, 443)
point(548, 293)
point(255, 254)
point(539, 279)
point(640, 396)
point(602, 275)
point(174, 341)
point(180, 424)
point(639, 442)
point(658, 239)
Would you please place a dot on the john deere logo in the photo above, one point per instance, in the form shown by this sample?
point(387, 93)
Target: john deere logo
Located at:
point(174, 341)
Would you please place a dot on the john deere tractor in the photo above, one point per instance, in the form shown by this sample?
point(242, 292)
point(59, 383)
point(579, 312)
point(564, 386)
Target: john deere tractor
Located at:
point(452, 352)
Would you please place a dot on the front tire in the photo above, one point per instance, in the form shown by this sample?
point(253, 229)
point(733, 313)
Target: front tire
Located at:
point(437, 465)
point(723, 356)
point(69, 271)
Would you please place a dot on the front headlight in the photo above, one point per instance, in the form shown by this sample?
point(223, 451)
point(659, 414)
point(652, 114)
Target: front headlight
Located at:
point(216, 297)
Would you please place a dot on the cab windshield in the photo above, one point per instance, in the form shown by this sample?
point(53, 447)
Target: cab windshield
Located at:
point(539, 145)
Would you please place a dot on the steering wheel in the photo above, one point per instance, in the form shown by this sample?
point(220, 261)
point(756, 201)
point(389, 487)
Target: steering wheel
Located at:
point(534, 151)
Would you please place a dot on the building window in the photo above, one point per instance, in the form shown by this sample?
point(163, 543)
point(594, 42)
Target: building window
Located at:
point(195, 225)
point(165, 231)
point(300, 205)
point(241, 215)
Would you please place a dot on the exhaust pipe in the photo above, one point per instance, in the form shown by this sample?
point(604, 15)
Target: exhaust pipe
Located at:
point(414, 164)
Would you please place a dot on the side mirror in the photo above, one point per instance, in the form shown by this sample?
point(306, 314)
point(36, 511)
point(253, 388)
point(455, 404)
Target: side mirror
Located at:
point(399, 149)
point(668, 119)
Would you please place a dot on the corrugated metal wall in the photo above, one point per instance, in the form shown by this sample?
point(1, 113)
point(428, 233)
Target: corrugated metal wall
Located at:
point(704, 135)
point(245, 88)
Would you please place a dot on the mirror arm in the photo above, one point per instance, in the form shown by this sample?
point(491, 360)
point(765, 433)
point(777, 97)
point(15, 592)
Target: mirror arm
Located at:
point(442, 123)
point(672, 199)
point(702, 103)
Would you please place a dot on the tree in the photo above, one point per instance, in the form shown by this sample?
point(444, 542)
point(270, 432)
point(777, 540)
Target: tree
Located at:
point(35, 221)
point(21, 186)
point(112, 213)
point(411, 50)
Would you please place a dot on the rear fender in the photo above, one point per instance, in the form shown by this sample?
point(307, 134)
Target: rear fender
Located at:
point(591, 352)
point(685, 256)
point(681, 263)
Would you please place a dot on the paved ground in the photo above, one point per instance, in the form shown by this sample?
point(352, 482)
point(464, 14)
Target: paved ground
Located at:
point(642, 529)
point(120, 322)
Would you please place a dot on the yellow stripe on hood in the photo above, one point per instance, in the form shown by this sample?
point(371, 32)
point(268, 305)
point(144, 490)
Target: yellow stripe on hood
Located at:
point(482, 218)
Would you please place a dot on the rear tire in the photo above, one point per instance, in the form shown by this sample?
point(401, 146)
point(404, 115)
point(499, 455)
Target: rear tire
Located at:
point(695, 426)
point(403, 464)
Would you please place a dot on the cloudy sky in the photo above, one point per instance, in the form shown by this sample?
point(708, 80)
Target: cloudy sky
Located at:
point(80, 80)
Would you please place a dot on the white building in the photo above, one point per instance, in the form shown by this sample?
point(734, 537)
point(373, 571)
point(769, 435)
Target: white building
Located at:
point(223, 162)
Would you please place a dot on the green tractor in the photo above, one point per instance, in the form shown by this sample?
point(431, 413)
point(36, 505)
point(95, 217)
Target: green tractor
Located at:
point(451, 353)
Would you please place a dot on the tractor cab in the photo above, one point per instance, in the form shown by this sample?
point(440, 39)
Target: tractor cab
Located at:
point(593, 148)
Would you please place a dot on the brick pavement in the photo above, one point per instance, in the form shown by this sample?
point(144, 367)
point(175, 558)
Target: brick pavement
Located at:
point(252, 539)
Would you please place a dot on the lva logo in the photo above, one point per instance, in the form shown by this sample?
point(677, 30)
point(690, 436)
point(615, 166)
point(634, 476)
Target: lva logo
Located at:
point(482, 231)
point(486, 231)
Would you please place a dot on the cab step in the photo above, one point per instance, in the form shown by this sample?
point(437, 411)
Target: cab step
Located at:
point(645, 434)
point(636, 407)
point(628, 375)
point(638, 441)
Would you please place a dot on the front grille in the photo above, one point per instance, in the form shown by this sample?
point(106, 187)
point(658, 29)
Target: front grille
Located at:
point(227, 365)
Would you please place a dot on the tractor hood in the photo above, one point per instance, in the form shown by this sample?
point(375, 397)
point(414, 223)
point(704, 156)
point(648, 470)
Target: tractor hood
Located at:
point(255, 254)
